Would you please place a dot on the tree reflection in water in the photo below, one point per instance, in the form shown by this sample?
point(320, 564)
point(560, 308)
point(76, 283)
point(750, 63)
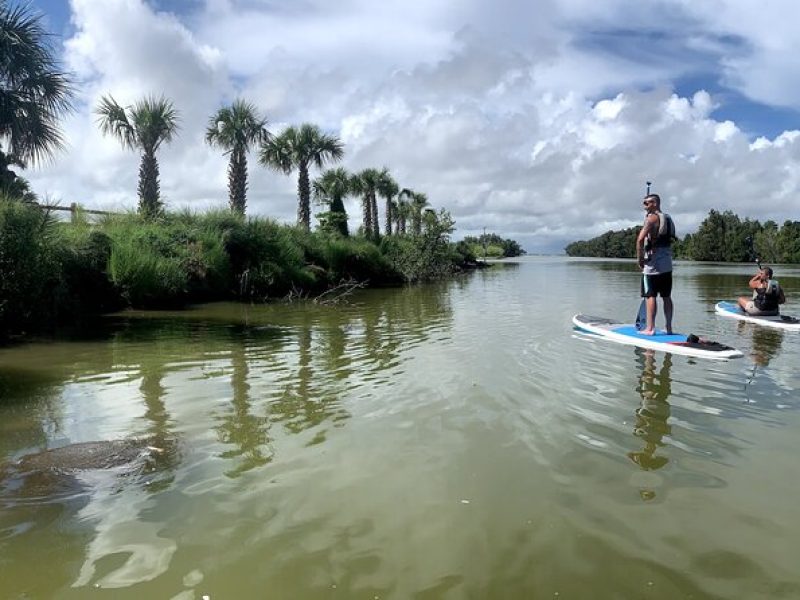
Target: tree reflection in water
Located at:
point(154, 379)
point(245, 431)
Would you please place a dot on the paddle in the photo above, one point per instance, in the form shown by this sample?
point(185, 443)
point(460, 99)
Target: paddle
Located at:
point(749, 240)
point(641, 315)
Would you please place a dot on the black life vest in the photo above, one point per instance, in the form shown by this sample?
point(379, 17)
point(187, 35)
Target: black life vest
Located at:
point(666, 231)
point(663, 236)
point(767, 299)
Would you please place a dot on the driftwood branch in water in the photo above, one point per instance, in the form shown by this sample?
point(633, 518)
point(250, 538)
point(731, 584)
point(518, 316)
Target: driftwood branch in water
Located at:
point(339, 292)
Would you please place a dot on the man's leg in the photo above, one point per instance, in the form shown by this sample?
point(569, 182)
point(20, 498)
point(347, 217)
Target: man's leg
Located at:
point(650, 306)
point(652, 311)
point(668, 308)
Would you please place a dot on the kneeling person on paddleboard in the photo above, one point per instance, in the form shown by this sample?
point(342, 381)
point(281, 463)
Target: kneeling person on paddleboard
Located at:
point(654, 254)
point(767, 295)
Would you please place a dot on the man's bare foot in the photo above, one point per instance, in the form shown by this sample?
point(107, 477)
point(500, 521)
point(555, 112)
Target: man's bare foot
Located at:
point(648, 332)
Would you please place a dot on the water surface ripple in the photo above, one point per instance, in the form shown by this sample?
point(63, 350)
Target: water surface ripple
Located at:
point(457, 440)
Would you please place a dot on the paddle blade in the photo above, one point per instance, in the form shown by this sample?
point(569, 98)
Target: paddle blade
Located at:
point(641, 316)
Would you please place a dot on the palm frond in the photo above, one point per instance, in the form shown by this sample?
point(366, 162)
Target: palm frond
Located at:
point(113, 120)
point(34, 92)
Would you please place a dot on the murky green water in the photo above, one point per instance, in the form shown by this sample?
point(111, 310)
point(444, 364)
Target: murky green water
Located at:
point(450, 441)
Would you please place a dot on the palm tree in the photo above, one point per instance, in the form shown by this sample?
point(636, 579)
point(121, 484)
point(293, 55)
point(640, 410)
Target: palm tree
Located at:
point(143, 126)
point(388, 189)
point(403, 209)
point(298, 148)
point(429, 220)
point(34, 93)
point(234, 129)
point(332, 187)
point(366, 184)
point(418, 202)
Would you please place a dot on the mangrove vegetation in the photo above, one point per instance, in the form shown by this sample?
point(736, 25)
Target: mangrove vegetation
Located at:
point(721, 237)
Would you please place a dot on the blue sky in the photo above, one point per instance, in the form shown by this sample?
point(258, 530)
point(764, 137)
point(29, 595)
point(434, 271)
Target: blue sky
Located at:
point(509, 114)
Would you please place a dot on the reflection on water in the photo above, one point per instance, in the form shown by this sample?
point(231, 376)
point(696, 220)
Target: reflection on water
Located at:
point(245, 431)
point(766, 342)
point(446, 441)
point(652, 415)
point(125, 409)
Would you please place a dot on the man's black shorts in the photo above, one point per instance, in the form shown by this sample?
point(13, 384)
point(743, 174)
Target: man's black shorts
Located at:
point(657, 285)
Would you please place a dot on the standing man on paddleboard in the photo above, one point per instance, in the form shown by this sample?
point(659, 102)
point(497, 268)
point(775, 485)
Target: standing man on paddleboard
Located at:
point(654, 254)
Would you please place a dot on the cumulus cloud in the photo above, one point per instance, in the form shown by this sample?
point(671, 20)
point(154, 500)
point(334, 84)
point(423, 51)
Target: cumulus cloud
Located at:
point(530, 122)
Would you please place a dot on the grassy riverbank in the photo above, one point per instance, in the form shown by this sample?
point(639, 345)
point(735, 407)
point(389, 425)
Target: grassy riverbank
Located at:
point(53, 272)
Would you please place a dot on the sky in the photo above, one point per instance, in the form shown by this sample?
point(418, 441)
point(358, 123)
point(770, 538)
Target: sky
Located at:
point(539, 121)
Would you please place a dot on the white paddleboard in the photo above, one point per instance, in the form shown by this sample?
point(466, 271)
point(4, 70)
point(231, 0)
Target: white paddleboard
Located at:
point(675, 343)
point(729, 309)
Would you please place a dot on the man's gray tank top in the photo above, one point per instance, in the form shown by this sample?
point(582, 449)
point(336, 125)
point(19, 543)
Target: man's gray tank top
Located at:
point(660, 259)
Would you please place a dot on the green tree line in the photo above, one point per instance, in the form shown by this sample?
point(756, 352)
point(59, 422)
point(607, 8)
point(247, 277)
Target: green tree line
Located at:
point(493, 246)
point(721, 237)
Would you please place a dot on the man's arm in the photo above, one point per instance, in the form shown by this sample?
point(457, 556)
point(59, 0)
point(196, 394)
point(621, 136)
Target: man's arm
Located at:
point(643, 233)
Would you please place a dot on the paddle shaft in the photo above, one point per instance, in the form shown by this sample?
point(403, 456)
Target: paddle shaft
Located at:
point(753, 252)
point(641, 314)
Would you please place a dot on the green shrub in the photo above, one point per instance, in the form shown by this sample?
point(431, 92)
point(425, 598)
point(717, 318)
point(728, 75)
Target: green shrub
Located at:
point(143, 264)
point(360, 259)
point(29, 266)
point(266, 260)
point(145, 278)
point(85, 288)
point(423, 257)
point(185, 250)
point(52, 271)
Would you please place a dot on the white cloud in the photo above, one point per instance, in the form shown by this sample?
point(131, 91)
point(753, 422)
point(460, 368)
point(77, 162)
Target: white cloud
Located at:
point(497, 111)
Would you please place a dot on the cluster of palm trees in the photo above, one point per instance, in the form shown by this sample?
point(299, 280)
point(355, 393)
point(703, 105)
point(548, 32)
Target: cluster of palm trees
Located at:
point(35, 94)
point(237, 129)
point(400, 205)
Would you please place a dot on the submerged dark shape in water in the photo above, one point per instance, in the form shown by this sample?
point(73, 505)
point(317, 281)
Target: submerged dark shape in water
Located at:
point(57, 470)
point(86, 495)
point(90, 455)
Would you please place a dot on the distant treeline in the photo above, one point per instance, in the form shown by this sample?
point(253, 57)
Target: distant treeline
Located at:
point(721, 237)
point(493, 246)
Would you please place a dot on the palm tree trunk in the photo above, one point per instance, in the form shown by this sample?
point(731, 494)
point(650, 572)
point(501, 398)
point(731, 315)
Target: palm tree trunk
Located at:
point(339, 215)
point(304, 196)
point(149, 202)
point(375, 223)
point(237, 181)
point(388, 216)
point(367, 208)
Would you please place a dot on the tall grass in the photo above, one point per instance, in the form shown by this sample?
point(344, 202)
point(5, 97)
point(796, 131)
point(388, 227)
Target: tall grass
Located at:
point(52, 271)
point(29, 266)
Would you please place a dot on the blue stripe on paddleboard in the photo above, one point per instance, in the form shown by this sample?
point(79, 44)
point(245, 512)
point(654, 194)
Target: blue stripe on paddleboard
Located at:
point(659, 337)
point(730, 307)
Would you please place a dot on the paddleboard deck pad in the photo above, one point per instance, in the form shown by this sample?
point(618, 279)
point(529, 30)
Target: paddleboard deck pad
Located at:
point(729, 309)
point(675, 343)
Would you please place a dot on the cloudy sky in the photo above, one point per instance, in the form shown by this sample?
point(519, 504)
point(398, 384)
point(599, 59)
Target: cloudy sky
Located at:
point(540, 121)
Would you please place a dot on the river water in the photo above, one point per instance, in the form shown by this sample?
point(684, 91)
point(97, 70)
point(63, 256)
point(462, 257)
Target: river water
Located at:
point(457, 440)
